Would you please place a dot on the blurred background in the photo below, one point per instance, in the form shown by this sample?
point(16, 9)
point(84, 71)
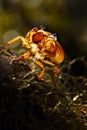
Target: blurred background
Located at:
point(66, 18)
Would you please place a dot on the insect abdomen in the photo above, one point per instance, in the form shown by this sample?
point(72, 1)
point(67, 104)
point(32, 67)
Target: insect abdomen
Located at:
point(59, 55)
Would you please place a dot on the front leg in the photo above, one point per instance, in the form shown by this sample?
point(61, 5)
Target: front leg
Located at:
point(26, 56)
point(24, 43)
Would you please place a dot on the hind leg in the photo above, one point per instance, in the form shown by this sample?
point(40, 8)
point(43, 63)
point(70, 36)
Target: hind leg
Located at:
point(56, 69)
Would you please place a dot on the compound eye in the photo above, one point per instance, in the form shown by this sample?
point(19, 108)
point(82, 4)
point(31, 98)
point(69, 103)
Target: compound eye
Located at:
point(35, 29)
point(38, 37)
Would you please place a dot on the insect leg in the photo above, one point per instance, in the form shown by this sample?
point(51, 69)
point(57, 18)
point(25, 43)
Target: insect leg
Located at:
point(41, 66)
point(24, 43)
point(26, 56)
point(56, 69)
point(48, 62)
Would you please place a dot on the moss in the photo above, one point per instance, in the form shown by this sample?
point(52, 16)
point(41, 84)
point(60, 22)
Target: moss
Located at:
point(27, 103)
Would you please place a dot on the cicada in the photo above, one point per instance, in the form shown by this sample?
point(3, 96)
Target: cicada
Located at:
point(43, 47)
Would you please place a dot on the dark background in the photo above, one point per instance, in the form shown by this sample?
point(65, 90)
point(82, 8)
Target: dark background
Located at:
point(53, 103)
point(66, 18)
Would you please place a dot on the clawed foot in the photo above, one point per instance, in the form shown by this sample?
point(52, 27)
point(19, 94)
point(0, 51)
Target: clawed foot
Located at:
point(16, 59)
